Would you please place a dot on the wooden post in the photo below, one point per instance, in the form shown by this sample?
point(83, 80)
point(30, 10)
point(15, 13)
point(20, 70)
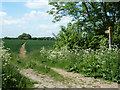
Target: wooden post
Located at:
point(110, 37)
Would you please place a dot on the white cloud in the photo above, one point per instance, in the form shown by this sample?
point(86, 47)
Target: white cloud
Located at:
point(8, 20)
point(42, 26)
point(65, 20)
point(37, 23)
point(16, 21)
point(49, 26)
point(27, 18)
point(48, 29)
point(2, 14)
point(36, 15)
point(38, 4)
point(13, 0)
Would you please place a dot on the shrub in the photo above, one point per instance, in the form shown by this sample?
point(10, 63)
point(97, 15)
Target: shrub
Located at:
point(116, 34)
point(72, 36)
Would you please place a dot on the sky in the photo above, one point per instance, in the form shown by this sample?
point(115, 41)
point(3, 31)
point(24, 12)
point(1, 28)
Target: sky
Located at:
point(28, 16)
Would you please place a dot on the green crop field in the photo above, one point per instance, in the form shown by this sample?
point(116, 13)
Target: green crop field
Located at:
point(13, 45)
point(32, 45)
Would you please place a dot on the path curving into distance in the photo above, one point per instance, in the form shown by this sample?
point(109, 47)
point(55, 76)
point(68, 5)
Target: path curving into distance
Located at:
point(23, 51)
point(72, 80)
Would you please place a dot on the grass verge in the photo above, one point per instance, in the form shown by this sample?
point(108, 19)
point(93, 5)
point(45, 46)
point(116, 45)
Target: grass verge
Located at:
point(34, 61)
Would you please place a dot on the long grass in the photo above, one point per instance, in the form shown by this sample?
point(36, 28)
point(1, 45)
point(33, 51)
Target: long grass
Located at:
point(14, 45)
point(11, 77)
point(35, 61)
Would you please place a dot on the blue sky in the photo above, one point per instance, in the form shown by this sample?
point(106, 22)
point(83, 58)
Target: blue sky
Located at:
point(28, 17)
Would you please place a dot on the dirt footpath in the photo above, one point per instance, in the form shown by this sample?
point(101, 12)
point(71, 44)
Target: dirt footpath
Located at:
point(72, 80)
point(44, 81)
point(23, 51)
point(78, 81)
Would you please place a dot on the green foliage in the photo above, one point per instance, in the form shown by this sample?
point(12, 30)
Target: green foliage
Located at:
point(99, 63)
point(116, 33)
point(71, 36)
point(11, 78)
point(32, 45)
point(14, 45)
point(92, 18)
point(68, 36)
point(9, 38)
point(35, 61)
point(96, 17)
point(43, 38)
point(25, 36)
point(33, 38)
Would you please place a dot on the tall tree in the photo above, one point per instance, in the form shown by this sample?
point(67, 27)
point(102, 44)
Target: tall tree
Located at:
point(24, 36)
point(95, 17)
point(92, 18)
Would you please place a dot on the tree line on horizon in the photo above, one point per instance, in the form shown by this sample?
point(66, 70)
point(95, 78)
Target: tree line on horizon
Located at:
point(26, 36)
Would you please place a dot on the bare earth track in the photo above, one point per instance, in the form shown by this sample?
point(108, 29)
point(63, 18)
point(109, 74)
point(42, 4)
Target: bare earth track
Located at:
point(72, 80)
point(23, 51)
point(78, 81)
point(44, 81)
